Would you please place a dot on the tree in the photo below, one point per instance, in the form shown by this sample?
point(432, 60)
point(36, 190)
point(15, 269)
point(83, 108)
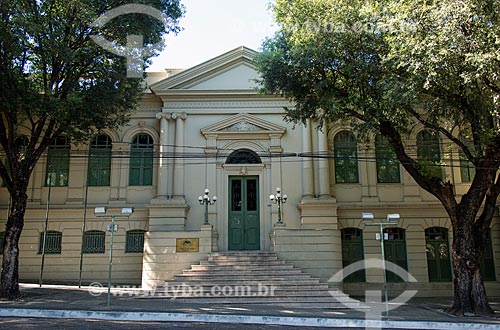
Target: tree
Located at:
point(56, 81)
point(385, 66)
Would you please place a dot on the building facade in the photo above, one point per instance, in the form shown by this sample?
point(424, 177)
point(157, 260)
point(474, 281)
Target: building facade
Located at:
point(208, 128)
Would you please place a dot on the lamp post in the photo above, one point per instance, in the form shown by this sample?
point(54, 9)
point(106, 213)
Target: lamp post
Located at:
point(392, 219)
point(278, 199)
point(205, 200)
point(100, 211)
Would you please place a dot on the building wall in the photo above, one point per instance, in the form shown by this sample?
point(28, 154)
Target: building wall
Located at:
point(215, 115)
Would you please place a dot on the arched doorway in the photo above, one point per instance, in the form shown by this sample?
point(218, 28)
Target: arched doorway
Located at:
point(244, 208)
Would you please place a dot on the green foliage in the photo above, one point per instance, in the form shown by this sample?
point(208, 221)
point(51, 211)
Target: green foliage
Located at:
point(384, 66)
point(55, 80)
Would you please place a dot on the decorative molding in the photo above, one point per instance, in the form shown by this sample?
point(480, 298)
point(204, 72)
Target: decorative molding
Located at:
point(244, 123)
point(242, 126)
point(227, 105)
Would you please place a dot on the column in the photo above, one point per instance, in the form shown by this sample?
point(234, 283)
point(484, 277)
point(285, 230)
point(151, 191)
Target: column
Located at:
point(179, 155)
point(307, 162)
point(324, 171)
point(161, 186)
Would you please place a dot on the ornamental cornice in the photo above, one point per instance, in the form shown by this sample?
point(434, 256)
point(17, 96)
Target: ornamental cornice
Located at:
point(226, 105)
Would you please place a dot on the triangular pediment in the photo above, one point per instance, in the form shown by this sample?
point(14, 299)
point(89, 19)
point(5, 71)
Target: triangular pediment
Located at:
point(243, 123)
point(233, 70)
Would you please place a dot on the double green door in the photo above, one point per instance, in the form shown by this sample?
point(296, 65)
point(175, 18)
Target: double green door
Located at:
point(244, 222)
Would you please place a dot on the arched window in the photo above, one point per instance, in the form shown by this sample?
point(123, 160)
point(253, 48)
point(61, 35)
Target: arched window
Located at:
point(346, 158)
point(243, 156)
point(429, 154)
point(94, 241)
point(438, 254)
point(395, 251)
point(352, 251)
point(141, 161)
point(57, 172)
point(387, 163)
point(487, 263)
point(99, 167)
point(53, 242)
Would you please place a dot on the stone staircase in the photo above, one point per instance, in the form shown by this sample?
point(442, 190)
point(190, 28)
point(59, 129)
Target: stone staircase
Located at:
point(251, 278)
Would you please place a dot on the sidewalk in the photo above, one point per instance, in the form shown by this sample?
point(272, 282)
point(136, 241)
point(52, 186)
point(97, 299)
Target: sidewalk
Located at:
point(71, 302)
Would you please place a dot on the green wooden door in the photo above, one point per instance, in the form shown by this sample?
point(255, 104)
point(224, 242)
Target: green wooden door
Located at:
point(244, 221)
point(395, 251)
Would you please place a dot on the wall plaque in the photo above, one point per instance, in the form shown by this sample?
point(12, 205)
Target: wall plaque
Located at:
point(187, 245)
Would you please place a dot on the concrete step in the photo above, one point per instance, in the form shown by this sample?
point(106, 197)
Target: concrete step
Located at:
point(241, 263)
point(253, 286)
point(242, 278)
point(255, 267)
point(238, 272)
point(218, 281)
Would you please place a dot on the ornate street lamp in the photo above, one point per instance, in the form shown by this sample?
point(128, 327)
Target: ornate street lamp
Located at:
point(100, 211)
point(205, 200)
point(278, 199)
point(392, 219)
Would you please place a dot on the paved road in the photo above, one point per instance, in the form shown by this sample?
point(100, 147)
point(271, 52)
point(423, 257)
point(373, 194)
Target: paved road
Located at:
point(42, 324)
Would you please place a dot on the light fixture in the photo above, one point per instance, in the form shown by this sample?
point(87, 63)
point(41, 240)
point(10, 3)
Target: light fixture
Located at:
point(278, 199)
point(392, 219)
point(367, 217)
point(205, 200)
point(100, 210)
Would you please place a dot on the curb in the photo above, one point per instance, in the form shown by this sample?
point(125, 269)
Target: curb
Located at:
point(242, 319)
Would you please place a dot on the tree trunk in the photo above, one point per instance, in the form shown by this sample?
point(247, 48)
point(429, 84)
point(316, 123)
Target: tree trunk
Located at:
point(470, 295)
point(9, 286)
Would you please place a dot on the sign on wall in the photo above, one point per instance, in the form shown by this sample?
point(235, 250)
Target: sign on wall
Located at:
point(187, 245)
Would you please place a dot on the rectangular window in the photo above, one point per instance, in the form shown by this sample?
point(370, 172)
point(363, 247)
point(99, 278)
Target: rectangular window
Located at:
point(134, 242)
point(57, 172)
point(94, 242)
point(387, 162)
point(53, 241)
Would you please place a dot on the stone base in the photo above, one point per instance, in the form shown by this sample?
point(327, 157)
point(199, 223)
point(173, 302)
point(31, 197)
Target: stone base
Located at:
point(318, 213)
point(167, 216)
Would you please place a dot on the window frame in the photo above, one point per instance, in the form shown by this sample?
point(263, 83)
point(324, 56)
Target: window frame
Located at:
point(130, 236)
point(345, 148)
point(141, 161)
point(386, 162)
point(58, 158)
point(90, 237)
point(53, 242)
point(429, 154)
point(99, 161)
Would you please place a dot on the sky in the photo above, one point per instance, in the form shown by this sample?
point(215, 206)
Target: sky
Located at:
point(213, 27)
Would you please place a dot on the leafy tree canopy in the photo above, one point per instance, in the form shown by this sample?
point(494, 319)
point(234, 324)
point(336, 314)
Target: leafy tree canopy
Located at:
point(386, 67)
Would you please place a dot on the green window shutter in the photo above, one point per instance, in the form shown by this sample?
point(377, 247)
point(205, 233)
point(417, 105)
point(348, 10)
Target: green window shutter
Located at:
point(352, 251)
point(346, 158)
point(438, 254)
point(429, 154)
point(395, 251)
point(57, 171)
point(134, 241)
point(388, 170)
point(99, 167)
point(94, 241)
point(487, 263)
point(53, 242)
point(141, 161)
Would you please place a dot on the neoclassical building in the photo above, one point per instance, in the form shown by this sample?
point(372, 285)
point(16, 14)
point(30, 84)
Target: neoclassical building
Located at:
point(208, 128)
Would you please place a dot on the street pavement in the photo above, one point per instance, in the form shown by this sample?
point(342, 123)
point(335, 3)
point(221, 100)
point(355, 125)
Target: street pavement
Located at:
point(64, 307)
